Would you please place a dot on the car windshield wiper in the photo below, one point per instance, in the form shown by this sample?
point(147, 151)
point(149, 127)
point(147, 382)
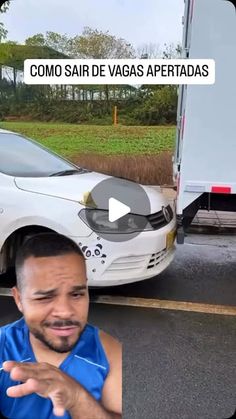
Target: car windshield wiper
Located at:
point(66, 172)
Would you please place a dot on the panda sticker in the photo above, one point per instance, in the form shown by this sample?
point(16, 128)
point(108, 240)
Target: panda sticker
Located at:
point(93, 251)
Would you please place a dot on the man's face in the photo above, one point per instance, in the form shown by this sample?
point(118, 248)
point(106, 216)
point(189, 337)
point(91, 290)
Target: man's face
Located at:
point(54, 299)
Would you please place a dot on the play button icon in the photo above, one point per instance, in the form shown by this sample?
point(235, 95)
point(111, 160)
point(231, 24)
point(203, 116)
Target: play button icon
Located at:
point(117, 210)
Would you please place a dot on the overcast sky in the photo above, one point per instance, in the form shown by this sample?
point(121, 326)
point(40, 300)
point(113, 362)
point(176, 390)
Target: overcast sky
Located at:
point(137, 21)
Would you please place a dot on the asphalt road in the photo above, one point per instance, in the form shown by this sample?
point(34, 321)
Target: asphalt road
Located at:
point(177, 365)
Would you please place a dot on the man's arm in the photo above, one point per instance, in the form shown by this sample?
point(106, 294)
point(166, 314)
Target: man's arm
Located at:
point(112, 389)
point(64, 392)
point(87, 407)
point(111, 407)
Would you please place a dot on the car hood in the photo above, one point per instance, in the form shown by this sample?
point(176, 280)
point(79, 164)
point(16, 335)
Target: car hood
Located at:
point(77, 186)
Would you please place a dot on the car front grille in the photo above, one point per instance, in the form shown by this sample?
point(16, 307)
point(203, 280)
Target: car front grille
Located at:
point(133, 263)
point(158, 220)
point(156, 258)
point(127, 263)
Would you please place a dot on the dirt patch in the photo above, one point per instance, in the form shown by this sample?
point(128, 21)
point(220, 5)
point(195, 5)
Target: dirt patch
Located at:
point(148, 170)
point(17, 118)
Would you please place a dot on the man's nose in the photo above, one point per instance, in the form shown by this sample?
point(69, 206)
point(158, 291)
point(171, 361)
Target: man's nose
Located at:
point(63, 307)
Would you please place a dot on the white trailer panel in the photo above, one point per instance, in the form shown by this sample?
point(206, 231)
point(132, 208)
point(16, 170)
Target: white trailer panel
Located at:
point(206, 138)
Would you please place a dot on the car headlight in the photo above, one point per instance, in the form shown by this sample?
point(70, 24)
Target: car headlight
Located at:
point(98, 221)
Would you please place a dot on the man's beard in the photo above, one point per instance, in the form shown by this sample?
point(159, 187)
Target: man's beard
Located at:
point(64, 346)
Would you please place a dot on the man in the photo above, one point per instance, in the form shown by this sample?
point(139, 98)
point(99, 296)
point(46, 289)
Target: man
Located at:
point(57, 364)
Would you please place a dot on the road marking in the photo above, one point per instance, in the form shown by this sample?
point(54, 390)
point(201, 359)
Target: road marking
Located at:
point(153, 303)
point(165, 305)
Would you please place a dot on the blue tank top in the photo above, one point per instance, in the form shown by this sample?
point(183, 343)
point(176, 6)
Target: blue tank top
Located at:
point(86, 363)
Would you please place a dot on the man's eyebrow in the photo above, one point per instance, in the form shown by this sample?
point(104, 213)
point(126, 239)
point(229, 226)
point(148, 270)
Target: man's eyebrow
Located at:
point(45, 292)
point(79, 288)
point(53, 291)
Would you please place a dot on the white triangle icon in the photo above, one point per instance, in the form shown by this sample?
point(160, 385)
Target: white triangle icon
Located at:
point(117, 209)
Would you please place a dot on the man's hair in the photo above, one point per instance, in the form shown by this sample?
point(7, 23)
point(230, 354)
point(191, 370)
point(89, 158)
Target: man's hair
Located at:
point(43, 245)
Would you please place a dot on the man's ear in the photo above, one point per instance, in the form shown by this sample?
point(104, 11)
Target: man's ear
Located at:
point(17, 298)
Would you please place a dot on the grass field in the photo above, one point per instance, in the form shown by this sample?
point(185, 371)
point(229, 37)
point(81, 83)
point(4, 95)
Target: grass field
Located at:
point(71, 139)
point(140, 153)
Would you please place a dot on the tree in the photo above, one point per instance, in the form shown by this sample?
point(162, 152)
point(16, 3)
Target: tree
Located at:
point(150, 50)
point(4, 5)
point(172, 51)
point(3, 32)
point(158, 106)
point(153, 50)
point(57, 41)
point(60, 43)
point(91, 44)
point(36, 40)
point(97, 44)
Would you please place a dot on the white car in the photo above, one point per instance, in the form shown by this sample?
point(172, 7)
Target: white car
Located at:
point(40, 191)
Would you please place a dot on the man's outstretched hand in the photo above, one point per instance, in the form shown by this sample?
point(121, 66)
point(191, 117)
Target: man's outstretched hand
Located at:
point(45, 380)
point(65, 393)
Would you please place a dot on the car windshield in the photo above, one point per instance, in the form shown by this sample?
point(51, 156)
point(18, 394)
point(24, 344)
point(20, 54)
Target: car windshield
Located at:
point(22, 157)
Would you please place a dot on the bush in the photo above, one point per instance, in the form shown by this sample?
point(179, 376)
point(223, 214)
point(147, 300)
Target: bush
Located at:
point(151, 105)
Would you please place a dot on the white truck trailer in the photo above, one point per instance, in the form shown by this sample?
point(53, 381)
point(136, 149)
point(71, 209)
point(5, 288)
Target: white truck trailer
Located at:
point(205, 154)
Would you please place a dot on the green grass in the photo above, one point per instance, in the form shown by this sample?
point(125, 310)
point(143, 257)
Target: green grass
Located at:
point(71, 139)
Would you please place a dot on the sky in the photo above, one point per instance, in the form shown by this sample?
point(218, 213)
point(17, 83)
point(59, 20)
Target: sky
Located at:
point(137, 21)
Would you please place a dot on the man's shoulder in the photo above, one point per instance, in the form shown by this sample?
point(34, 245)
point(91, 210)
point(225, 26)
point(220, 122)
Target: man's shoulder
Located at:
point(108, 342)
point(12, 333)
point(12, 340)
point(96, 343)
point(11, 327)
point(111, 345)
point(112, 390)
